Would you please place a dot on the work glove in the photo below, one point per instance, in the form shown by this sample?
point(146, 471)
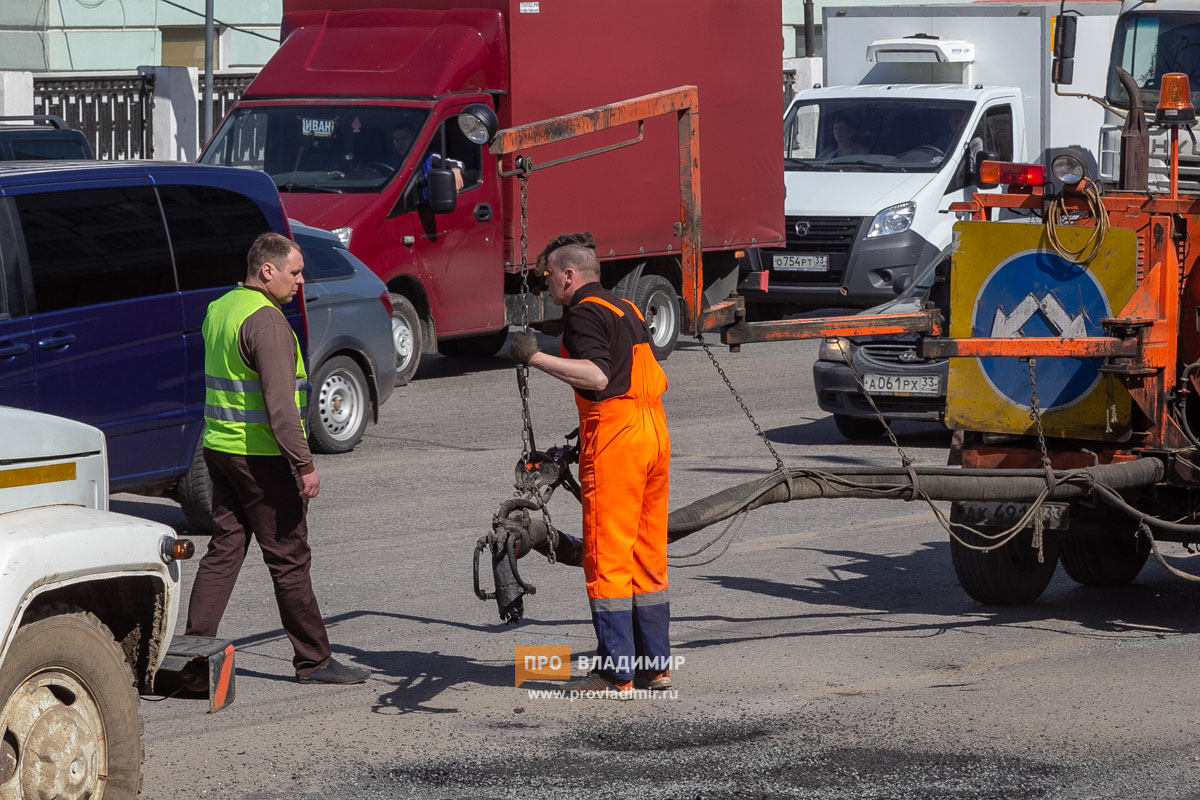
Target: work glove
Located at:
point(524, 345)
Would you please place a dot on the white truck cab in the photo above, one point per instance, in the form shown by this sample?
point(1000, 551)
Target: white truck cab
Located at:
point(89, 600)
point(916, 97)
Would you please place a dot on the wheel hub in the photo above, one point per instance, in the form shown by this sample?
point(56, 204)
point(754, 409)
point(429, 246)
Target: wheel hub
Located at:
point(338, 404)
point(60, 745)
point(402, 337)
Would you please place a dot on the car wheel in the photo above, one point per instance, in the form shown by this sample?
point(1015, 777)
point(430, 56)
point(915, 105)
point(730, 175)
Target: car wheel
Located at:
point(70, 712)
point(484, 346)
point(406, 337)
point(337, 408)
point(858, 427)
point(194, 493)
point(659, 304)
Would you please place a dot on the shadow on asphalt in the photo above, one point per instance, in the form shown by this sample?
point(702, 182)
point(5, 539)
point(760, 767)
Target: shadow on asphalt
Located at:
point(168, 514)
point(873, 586)
point(417, 677)
point(823, 431)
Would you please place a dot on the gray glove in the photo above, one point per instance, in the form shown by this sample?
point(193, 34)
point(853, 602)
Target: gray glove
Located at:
point(524, 345)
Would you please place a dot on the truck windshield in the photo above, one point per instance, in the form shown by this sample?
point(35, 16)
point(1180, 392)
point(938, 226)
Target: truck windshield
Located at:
point(318, 148)
point(904, 135)
point(1148, 46)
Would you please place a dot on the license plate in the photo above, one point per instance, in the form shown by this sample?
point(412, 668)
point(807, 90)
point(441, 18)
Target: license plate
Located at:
point(787, 261)
point(902, 384)
point(1055, 516)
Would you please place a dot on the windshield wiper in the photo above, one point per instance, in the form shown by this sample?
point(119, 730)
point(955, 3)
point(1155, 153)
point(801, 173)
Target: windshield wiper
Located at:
point(292, 186)
point(804, 164)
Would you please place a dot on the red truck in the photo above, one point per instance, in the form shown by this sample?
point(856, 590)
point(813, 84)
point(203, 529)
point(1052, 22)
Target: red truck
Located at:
point(357, 111)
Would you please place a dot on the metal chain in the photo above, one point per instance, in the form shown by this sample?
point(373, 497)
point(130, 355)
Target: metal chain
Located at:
point(904, 459)
point(1035, 413)
point(523, 180)
point(757, 428)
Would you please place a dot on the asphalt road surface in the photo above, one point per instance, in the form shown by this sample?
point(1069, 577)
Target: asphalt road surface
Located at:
point(830, 653)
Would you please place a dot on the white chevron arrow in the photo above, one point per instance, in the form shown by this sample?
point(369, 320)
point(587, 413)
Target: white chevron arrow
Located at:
point(1008, 326)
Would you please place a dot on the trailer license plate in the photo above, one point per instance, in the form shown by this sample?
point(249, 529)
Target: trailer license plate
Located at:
point(787, 261)
point(1055, 516)
point(902, 384)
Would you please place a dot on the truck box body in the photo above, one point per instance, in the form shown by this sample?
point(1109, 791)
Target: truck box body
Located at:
point(917, 86)
point(568, 57)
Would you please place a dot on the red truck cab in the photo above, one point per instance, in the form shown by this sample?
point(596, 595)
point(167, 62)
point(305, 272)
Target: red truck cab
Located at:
point(331, 115)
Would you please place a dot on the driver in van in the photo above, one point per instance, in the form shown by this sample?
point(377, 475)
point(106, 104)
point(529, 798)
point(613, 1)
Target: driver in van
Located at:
point(845, 137)
point(402, 141)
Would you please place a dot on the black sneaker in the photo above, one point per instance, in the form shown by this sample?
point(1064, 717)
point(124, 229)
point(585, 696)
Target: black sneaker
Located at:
point(333, 671)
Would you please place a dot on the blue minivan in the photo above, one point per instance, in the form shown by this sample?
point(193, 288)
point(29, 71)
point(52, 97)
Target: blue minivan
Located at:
point(106, 272)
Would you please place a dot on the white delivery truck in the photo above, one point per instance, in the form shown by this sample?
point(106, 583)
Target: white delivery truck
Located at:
point(1153, 38)
point(913, 96)
point(89, 600)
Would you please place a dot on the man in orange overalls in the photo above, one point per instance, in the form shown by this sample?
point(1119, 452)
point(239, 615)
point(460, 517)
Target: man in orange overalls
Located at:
point(625, 456)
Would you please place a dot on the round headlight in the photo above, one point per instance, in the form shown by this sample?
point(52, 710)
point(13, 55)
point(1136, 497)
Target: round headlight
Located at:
point(478, 123)
point(1068, 168)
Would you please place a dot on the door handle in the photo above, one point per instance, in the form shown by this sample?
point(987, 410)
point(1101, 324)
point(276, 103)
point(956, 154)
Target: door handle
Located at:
point(10, 348)
point(483, 212)
point(59, 340)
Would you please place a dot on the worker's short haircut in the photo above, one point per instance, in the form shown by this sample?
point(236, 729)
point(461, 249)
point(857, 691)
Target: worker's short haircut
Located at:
point(577, 250)
point(268, 247)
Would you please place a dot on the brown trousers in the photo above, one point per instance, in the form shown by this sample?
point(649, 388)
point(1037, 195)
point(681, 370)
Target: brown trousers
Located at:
point(260, 495)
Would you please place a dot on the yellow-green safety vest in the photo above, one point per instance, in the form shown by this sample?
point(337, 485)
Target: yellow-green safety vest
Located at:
point(235, 416)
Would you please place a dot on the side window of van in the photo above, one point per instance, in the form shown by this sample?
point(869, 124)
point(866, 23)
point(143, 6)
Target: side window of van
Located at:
point(211, 233)
point(95, 246)
point(996, 130)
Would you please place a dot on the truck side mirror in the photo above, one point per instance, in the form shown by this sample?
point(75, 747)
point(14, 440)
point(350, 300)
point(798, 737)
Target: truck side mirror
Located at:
point(976, 155)
point(443, 194)
point(1062, 71)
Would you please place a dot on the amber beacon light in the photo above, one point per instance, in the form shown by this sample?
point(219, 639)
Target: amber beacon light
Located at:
point(1175, 101)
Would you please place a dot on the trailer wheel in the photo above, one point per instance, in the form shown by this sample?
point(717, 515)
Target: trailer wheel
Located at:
point(659, 304)
point(1103, 553)
point(70, 713)
point(858, 427)
point(484, 346)
point(1008, 576)
point(406, 336)
point(194, 493)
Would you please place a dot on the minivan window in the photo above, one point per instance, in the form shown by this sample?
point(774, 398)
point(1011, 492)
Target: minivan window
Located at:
point(211, 232)
point(46, 149)
point(94, 246)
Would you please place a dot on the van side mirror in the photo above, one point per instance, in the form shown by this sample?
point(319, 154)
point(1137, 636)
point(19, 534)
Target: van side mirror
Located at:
point(976, 155)
point(443, 194)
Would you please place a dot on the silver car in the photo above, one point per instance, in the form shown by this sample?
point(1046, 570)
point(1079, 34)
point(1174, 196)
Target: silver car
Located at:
point(902, 384)
point(351, 363)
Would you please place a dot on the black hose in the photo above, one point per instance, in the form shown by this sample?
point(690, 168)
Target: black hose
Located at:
point(935, 482)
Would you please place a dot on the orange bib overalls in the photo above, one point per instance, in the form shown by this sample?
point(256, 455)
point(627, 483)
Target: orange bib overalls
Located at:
point(624, 461)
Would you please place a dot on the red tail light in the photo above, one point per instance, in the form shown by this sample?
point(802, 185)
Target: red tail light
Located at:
point(1006, 172)
point(386, 299)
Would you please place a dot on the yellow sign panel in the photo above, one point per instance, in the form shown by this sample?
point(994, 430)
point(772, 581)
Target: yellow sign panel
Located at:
point(1008, 282)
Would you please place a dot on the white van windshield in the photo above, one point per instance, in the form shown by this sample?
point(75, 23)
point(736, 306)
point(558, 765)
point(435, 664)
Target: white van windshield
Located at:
point(307, 148)
point(904, 135)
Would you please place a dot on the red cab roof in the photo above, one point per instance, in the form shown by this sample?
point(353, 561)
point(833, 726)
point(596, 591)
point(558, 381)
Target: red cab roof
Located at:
point(370, 53)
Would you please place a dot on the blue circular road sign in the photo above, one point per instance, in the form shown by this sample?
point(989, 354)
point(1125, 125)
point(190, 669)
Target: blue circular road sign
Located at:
point(1040, 293)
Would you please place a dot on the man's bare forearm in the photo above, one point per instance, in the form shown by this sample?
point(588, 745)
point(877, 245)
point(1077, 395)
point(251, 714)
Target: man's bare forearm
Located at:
point(578, 373)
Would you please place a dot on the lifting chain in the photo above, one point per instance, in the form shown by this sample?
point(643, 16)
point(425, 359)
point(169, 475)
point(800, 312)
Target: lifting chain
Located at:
point(528, 445)
point(1035, 413)
point(745, 410)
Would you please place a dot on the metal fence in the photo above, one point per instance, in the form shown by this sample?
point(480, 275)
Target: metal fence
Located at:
point(227, 88)
point(789, 87)
point(115, 113)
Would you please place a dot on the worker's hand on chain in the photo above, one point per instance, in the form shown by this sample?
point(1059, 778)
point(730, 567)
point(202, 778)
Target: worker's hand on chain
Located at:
point(524, 345)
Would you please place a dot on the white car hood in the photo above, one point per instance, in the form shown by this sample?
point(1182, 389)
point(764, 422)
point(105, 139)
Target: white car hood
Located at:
point(849, 194)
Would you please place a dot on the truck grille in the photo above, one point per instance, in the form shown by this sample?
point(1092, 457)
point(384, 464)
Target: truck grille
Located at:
point(825, 234)
point(831, 236)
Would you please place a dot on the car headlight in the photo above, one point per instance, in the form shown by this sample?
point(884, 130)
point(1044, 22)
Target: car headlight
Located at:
point(894, 219)
point(835, 348)
point(343, 235)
